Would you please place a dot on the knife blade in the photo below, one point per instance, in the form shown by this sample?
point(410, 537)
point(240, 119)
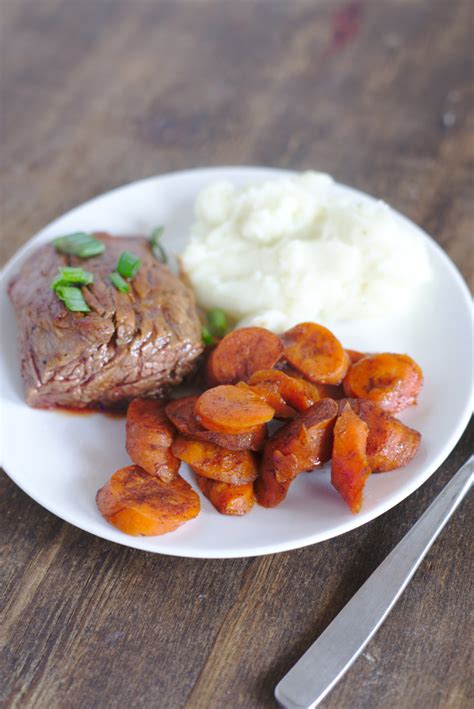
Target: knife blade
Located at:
point(331, 655)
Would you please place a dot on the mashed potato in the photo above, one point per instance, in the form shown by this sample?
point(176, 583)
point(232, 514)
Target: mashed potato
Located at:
point(299, 248)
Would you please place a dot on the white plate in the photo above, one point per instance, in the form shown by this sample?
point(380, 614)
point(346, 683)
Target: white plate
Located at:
point(61, 460)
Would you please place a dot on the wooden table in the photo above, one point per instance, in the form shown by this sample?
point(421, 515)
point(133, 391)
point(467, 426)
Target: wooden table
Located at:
point(97, 93)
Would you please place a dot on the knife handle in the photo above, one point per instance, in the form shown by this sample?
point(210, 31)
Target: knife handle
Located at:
point(328, 658)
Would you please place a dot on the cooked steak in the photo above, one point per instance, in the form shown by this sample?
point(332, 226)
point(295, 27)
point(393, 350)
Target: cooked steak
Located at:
point(129, 344)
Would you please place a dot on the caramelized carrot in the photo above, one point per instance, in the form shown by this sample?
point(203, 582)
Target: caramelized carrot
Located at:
point(149, 436)
point(211, 461)
point(316, 352)
point(305, 442)
point(269, 391)
point(228, 499)
point(241, 353)
point(355, 356)
point(230, 409)
point(295, 392)
point(391, 444)
point(141, 504)
point(393, 381)
point(321, 391)
point(350, 468)
point(268, 491)
point(299, 445)
point(181, 414)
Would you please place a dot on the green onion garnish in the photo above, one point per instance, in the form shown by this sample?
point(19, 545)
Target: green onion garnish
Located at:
point(68, 276)
point(128, 264)
point(72, 298)
point(217, 322)
point(206, 336)
point(79, 244)
point(158, 251)
point(119, 283)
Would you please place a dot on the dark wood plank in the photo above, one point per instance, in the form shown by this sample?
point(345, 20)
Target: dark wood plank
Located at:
point(99, 93)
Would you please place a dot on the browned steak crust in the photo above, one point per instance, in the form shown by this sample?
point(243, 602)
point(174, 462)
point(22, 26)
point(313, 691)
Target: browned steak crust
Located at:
point(130, 344)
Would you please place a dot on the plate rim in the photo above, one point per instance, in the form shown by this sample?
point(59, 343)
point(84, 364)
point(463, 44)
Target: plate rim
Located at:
point(279, 547)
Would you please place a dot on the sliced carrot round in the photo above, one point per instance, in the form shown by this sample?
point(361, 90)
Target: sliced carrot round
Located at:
point(315, 352)
point(181, 414)
point(149, 435)
point(297, 393)
point(241, 353)
point(141, 504)
point(355, 355)
point(393, 381)
point(391, 444)
point(270, 392)
point(350, 467)
point(231, 409)
point(228, 499)
point(268, 491)
point(211, 461)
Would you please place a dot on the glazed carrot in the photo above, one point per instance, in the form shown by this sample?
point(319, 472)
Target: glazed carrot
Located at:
point(228, 499)
point(390, 444)
point(322, 391)
point(211, 461)
point(149, 435)
point(181, 414)
point(230, 409)
point(141, 504)
point(355, 356)
point(299, 445)
point(241, 353)
point(330, 391)
point(268, 491)
point(393, 381)
point(316, 352)
point(350, 467)
point(305, 442)
point(295, 392)
point(269, 391)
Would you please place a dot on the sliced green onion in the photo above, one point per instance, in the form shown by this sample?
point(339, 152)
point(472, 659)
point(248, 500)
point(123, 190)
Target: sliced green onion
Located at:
point(68, 275)
point(217, 322)
point(158, 251)
point(72, 298)
point(119, 283)
point(206, 336)
point(128, 264)
point(79, 244)
point(157, 233)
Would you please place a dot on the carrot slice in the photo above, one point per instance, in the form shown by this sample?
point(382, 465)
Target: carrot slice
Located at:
point(268, 491)
point(228, 499)
point(211, 461)
point(269, 391)
point(355, 356)
point(316, 352)
point(141, 504)
point(297, 393)
point(391, 444)
point(350, 467)
point(230, 409)
point(300, 445)
point(181, 414)
point(323, 391)
point(305, 442)
point(149, 435)
point(393, 381)
point(241, 353)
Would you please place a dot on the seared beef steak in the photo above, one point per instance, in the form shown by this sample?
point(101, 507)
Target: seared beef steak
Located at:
point(129, 344)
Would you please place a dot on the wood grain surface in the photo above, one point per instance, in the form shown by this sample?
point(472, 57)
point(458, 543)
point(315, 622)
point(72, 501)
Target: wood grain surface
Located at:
point(96, 93)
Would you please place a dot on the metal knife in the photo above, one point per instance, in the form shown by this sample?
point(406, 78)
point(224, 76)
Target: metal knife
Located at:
point(328, 658)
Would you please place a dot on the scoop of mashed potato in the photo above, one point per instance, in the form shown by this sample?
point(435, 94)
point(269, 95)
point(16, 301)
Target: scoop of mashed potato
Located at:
point(299, 248)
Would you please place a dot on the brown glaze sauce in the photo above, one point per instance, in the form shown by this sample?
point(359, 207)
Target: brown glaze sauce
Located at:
point(111, 413)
